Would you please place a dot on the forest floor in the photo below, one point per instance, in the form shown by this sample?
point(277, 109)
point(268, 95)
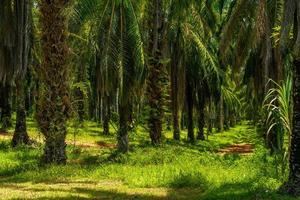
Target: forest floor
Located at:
point(230, 165)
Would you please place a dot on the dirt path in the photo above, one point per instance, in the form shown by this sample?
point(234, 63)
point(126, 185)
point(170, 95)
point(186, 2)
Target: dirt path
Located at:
point(241, 149)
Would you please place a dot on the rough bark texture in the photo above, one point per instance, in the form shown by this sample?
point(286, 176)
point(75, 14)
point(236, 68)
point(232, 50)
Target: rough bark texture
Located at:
point(156, 69)
point(293, 184)
point(54, 107)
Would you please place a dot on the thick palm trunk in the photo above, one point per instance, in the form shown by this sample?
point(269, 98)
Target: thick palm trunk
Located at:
point(293, 184)
point(190, 109)
point(55, 104)
point(20, 136)
point(155, 84)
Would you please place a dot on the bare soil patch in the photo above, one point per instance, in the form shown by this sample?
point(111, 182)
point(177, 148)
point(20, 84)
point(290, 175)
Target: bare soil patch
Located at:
point(3, 133)
point(242, 149)
point(106, 145)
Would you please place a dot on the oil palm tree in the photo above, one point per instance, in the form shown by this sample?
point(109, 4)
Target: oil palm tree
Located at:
point(254, 50)
point(6, 59)
point(15, 53)
point(23, 46)
point(193, 62)
point(119, 55)
point(156, 37)
point(292, 19)
point(54, 108)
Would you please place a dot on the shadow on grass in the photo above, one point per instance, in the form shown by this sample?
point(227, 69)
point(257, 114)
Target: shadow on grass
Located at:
point(185, 186)
point(80, 192)
point(242, 191)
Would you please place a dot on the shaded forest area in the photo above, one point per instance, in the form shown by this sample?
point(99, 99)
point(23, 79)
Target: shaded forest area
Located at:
point(156, 99)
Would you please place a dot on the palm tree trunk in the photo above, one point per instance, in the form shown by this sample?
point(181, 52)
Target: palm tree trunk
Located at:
point(293, 184)
point(210, 116)
point(23, 22)
point(221, 115)
point(226, 118)
point(174, 93)
point(201, 120)
point(155, 85)
point(106, 114)
point(20, 135)
point(190, 108)
point(124, 118)
point(54, 108)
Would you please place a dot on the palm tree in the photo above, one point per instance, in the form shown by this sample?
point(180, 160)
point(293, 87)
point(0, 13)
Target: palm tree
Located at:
point(6, 59)
point(292, 19)
point(23, 23)
point(176, 79)
point(119, 55)
point(255, 50)
point(15, 51)
point(54, 106)
point(156, 38)
point(193, 62)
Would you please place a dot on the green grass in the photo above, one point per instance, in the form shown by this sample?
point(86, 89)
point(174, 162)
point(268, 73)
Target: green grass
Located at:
point(173, 170)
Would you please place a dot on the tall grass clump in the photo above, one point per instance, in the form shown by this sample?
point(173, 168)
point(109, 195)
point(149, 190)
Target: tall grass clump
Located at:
point(278, 108)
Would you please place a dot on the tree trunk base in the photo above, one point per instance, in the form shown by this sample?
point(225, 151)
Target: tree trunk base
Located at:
point(176, 135)
point(55, 152)
point(290, 188)
point(200, 136)
point(20, 138)
point(123, 142)
point(156, 136)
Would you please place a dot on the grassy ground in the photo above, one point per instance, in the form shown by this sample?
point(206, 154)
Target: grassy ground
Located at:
point(174, 170)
